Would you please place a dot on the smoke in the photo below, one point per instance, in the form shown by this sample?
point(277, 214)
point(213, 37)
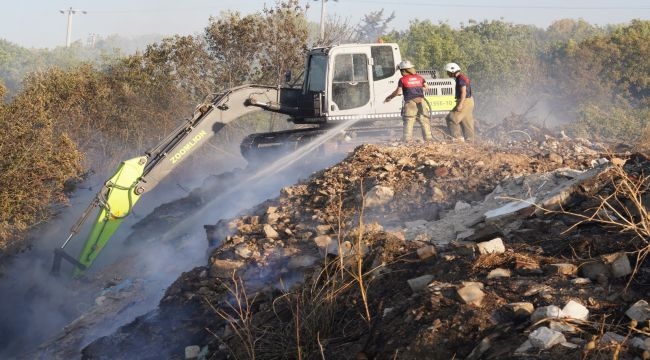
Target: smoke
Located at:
point(62, 314)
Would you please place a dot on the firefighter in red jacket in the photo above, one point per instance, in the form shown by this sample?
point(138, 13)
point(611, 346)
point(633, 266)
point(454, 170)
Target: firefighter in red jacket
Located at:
point(412, 86)
point(462, 116)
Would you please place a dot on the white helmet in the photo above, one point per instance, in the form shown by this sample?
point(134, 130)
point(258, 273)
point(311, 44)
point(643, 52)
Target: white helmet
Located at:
point(405, 64)
point(452, 68)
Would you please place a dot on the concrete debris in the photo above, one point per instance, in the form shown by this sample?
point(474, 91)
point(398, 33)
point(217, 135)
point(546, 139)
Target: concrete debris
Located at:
point(546, 312)
point(499, 273)
point(420, 283)
point(444, 214)
point(494, 246)
point(471, 293)
point(545, 338)
point(378, 195)
point(575, 310)
point(619, 264)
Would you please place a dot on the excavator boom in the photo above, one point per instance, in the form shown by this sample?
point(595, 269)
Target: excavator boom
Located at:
point(136, 176)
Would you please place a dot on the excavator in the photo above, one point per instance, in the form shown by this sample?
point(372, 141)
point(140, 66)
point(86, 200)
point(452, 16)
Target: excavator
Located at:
point(341, 83)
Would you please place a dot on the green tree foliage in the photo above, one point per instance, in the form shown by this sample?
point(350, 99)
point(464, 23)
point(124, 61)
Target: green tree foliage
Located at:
point(37, 160)
point(564, 30)
point(183, 61)
point(258, 48)
point(606, 77)
point(17, 62)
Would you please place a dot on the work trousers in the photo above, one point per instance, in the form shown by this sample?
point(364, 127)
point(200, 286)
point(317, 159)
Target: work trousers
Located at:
point(416, 109)
point(458, 121)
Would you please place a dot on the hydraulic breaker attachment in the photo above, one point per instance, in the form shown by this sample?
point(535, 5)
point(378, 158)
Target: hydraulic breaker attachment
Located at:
point(116, 200)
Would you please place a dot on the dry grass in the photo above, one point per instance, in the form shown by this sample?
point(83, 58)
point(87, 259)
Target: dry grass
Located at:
point(625, 210)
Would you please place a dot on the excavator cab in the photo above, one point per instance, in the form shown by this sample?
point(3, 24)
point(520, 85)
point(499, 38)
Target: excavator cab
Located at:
point(344, 81)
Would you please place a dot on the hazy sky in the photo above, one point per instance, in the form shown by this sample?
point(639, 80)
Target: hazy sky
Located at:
point(39, 23)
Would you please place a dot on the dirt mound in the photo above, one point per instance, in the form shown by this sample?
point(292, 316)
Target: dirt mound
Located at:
point(433, 251)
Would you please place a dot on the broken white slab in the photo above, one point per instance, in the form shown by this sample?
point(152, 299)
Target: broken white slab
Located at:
point(510, 208)
point(545, 338)
point(640, 311)
point(561, 194)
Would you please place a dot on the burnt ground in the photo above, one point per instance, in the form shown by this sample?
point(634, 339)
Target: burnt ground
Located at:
point(373, 258)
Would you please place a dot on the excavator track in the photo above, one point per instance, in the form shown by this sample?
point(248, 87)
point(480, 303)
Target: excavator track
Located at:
point(265, 146)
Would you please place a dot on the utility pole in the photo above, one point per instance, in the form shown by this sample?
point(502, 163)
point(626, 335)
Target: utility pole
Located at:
point(70, 12)
point(322, 18)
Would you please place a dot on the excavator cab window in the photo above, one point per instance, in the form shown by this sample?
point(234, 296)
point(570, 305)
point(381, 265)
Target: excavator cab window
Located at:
point(383, 62)
point(350, 85)
point(315, 81)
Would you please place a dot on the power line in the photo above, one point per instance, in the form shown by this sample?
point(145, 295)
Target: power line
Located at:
point(455, 5)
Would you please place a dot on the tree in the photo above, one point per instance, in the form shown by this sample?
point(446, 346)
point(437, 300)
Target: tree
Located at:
point(187, 63)
point(257, 47)
point(373, 26)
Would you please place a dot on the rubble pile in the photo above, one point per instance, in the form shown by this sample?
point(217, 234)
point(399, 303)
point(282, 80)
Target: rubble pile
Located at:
point(422, 251)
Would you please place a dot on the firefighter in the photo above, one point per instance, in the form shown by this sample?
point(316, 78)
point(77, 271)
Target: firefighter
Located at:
point(461, 117)
point(412, 86)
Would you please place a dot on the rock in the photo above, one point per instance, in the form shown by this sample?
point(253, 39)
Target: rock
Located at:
point(575, 310)
point(544, 312)
point(326, 244)
point(378, 195)
point(619, 264)
point(461, 206)
point(563, 327)
point(562, 269)
point(243, 251)
point(426, 252)
point(640, 311)
point(594, 270)
point(420, 283)
point(521, 309)
point(471, 293)
point(270, 232)
point(192, 352)
point(224, 268)
point(580, 281)
point(494, 246)
point(511, 208)
point(499, 273)
point(525, 347)
point(610, 338)
point(301, 261)
point(545, 338)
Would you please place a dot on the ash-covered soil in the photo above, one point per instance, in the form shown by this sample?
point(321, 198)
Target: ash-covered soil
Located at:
point(524, 250)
